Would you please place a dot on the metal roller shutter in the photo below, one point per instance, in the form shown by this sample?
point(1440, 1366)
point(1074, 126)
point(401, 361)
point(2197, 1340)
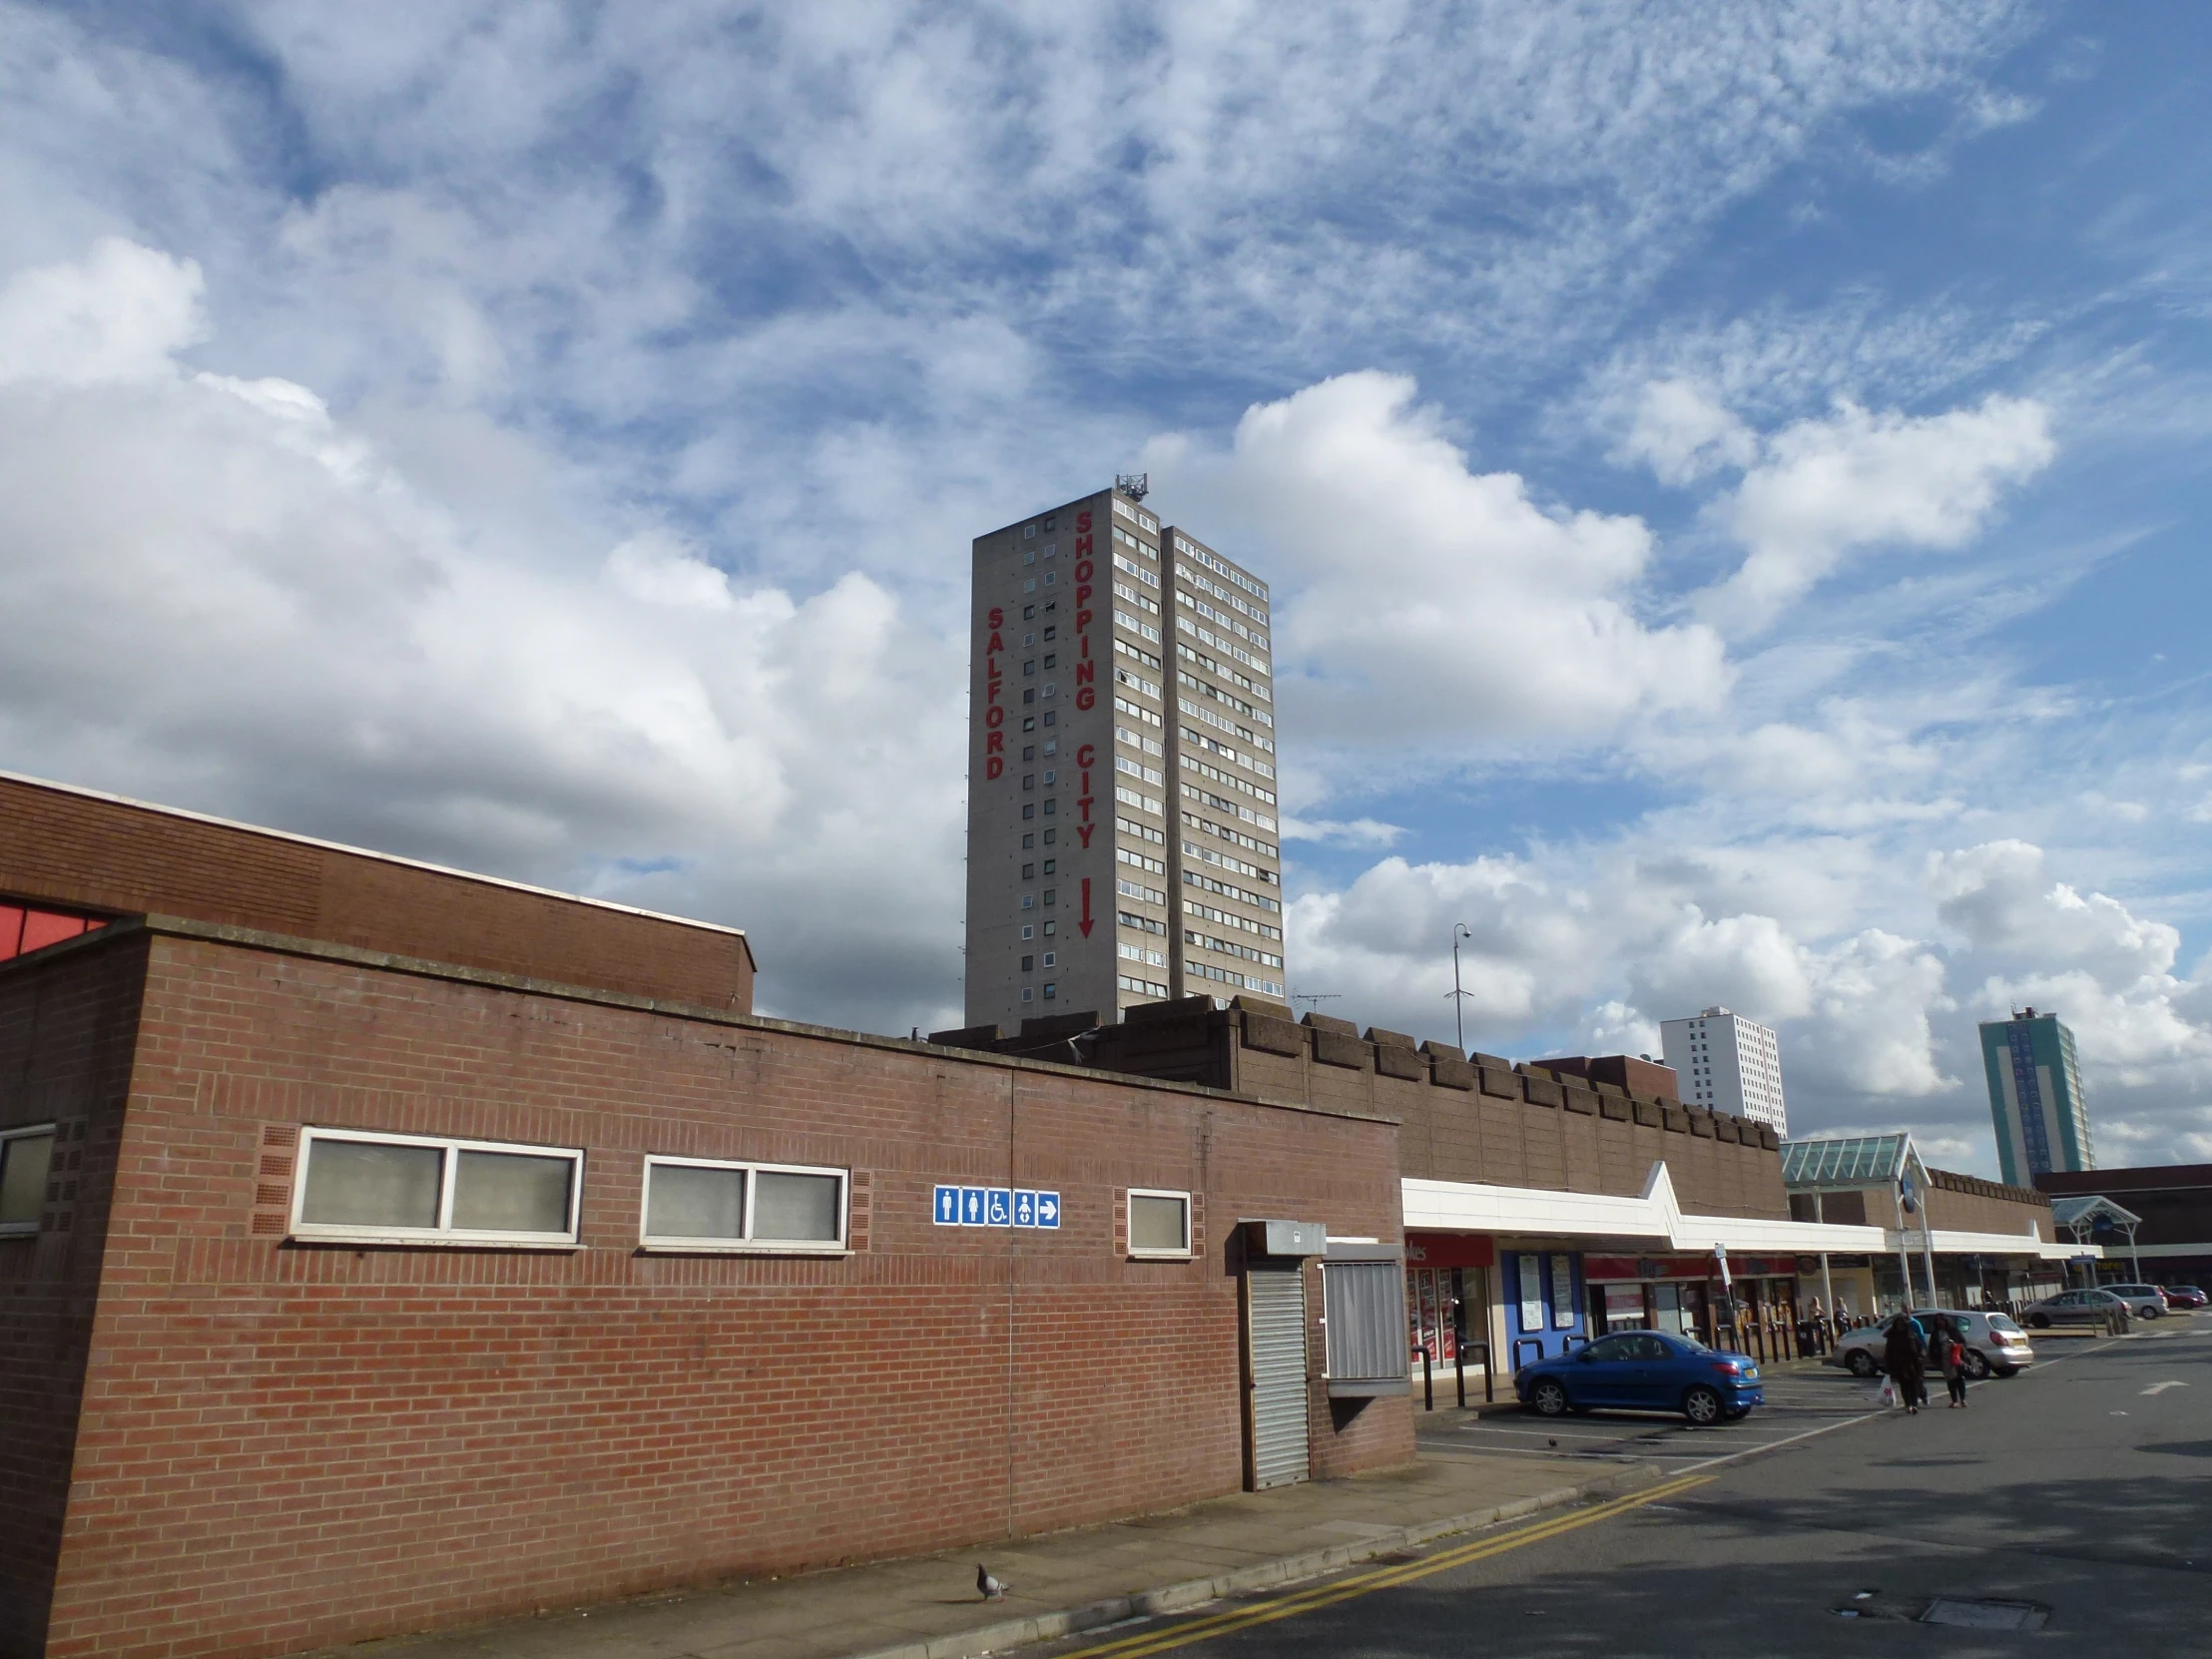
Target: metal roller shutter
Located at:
point(1276, 1299)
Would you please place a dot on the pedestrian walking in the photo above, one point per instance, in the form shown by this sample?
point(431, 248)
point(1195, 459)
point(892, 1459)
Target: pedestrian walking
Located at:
point(1951, 1360)
point(1902, 1358)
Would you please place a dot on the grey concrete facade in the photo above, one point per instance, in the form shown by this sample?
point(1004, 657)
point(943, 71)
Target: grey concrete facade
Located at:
point(1124, 839)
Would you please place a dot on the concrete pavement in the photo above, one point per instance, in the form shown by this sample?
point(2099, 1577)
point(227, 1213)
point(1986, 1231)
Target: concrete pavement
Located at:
point(1061, 1583)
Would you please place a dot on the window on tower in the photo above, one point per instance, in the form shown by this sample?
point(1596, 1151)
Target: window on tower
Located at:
point(1029, 613)
point(1029, 872)
point(1028, 964)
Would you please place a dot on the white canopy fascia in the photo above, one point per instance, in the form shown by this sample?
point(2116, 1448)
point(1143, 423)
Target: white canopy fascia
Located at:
point(1950, 1243)
point(1654, 1218)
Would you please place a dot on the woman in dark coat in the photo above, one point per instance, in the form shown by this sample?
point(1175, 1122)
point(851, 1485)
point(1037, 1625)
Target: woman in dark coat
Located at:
point(1902, 1360)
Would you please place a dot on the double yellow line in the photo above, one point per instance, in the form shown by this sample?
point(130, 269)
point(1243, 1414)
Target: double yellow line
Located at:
point(1344, 1589)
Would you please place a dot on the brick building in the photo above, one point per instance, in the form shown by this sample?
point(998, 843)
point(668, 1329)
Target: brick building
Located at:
point(494, 1254)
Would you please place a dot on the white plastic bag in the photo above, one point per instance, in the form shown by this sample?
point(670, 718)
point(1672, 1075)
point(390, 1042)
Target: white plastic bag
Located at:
point(1889, 1393)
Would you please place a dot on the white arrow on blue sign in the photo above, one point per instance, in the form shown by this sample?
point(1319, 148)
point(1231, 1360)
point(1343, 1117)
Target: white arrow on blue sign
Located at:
point(1048, 1209)
point(945, 1207)
point(1000, 1210)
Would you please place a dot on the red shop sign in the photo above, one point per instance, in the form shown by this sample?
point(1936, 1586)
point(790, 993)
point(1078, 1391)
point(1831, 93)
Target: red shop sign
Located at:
point(1451, 1249)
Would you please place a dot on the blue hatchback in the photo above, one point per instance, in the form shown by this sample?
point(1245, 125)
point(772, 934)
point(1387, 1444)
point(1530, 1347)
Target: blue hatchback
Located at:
point(1644, 1371)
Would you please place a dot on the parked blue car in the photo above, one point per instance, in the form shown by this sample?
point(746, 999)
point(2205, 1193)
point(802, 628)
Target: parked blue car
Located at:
point(1644, 1371)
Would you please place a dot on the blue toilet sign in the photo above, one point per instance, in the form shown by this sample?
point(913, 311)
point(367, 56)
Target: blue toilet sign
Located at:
point(993, 1207)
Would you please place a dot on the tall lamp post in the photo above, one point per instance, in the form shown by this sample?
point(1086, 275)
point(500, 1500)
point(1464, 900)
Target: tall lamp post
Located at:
point(1460, 930)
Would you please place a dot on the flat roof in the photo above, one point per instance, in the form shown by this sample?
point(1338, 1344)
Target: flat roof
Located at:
point(362, 852)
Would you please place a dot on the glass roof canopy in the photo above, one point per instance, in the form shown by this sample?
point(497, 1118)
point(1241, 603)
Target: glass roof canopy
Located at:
point(1848, 1163)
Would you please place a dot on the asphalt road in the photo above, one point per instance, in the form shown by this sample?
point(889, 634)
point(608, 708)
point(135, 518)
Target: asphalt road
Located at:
point(2081, 1490)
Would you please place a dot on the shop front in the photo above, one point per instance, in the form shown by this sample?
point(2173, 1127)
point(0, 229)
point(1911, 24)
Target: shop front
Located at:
point(1683, 1293)
point(1447, 1294)
point(1546, 1303)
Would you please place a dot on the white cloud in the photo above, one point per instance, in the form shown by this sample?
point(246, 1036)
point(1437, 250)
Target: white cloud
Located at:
point(1684, 435)
point(120, 313)
point(1425, 599)
point(1362, 831)
point(218, 595)
point(1855, 480)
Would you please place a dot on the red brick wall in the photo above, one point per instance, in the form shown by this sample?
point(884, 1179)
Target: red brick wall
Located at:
point(68, 1025)
point(78, 848)
point(284, 1446)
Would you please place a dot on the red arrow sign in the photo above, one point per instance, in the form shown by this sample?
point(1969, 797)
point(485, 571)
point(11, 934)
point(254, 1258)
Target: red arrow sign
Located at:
point(1085, 923)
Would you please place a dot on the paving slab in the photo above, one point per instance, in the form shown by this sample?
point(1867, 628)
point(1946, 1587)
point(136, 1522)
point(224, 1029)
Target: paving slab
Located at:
point(1062, 1582)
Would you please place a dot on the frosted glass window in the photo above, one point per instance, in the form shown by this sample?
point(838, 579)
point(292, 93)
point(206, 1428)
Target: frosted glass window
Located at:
point(800, 1208)
point(1159, 1221)
point(24, 1160)
point(695, 1205)
point(372, 1184)
point(407, 1189)
point(509, 1192)
point(685, 1202)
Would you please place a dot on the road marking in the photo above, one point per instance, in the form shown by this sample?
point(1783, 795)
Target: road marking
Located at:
point(2161, 1388)
point(1328, 1595)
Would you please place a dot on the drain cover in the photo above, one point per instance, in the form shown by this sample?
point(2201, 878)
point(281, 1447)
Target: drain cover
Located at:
point(1985, 1615)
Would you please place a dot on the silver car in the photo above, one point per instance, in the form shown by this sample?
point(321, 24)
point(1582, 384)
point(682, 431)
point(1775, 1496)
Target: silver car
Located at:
point(2074, 1308)
point(1995, 1346)
point(2146, 1302)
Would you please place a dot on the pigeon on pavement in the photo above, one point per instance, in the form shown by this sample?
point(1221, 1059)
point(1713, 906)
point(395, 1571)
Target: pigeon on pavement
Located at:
point(990, 1588)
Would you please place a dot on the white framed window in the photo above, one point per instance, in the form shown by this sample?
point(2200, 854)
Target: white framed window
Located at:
point(709, 1203)
point(26, 1154)
point(364, 1187)
point(1159, 1223)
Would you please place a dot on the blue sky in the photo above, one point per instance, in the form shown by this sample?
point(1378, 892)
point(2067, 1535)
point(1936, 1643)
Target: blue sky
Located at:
point(1731, 476)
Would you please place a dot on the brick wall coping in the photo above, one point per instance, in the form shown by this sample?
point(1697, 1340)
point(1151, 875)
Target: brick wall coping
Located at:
point(251, 938)
point(363, 852)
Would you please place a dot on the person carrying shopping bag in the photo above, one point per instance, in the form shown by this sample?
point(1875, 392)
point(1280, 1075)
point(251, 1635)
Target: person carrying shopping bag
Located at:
point(1901, 1358)
point(1951, 1360)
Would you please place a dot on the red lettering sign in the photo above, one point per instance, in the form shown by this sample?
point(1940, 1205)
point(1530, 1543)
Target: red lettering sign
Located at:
point(1083, 806)
point(1082, 570)
point(1082, 593)
point(1082, 620)
point(994, 741)
point(996, 644)
point(995, 766)
point(1085, 696)
point(1085, 672)
point(1087, 756)
point(1082, 546)
point(1083, 521)
point(997, 617)
point(1084, 829)
point(994, 716)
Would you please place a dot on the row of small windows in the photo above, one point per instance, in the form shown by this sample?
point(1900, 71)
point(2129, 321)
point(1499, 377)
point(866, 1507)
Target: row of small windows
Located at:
point(359, 1187)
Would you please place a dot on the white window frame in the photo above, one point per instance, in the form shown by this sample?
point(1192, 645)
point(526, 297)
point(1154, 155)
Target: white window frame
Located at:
point(1142, 1253)
point(445, 1235)
point(24, 1132)
point(648, 1242)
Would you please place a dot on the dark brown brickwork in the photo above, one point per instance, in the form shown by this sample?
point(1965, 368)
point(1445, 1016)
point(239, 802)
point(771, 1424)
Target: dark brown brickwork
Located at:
point(74, 848)
point(2174, 1200)
point(1974, 1204)
point(282, 1446)
point(68, 1027)
point(1472, 1119)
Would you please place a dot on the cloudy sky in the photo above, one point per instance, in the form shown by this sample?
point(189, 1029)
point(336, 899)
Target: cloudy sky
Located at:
point(1732, 475)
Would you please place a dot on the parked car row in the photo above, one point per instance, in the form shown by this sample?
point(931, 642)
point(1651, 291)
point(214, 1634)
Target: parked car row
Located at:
point(1995, 1345)
point(1654, 1370)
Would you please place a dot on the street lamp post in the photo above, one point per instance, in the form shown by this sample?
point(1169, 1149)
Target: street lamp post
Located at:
point(1460, 930)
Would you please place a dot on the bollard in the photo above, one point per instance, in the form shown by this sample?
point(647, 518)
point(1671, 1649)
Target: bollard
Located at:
point(1427, 1383)
point(1459, 1368)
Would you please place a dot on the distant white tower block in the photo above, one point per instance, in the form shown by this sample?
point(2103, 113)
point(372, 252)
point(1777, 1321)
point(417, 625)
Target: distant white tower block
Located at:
point(1729, 1064)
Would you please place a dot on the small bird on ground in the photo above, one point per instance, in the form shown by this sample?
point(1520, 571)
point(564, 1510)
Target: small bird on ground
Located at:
point(990, 1588)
